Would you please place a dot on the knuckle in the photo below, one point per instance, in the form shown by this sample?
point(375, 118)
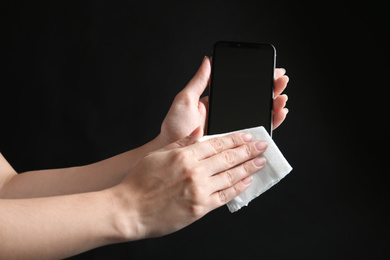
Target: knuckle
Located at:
point(247, 150)
point(193, 193)
point(229, 158)
point(216, 143)
point(229, 178)
point(222, 197)
point(183, 159)
point(196, 210)
point(180, 155)
point(185, 98)
point(236, 191)
point(234, 140)
point(192, 198)
point(188, 174)
point(196, 171)
point(245, 168)
point(195, 198)
point(191, 174)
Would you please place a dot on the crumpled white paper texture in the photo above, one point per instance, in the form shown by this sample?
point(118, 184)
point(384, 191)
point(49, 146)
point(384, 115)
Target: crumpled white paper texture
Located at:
point(275, 169)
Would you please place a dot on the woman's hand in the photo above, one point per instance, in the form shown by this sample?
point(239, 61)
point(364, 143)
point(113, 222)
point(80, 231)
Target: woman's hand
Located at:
point(188, 110)
point(279, 110)
point(178, 184)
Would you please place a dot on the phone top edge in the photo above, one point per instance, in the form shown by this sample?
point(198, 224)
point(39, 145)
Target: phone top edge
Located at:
point(245, 45)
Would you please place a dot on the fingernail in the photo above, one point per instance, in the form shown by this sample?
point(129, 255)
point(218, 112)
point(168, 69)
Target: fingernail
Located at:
point(259, 162)
point(247, 180)
point(286, 109)
point(261, 145)
point(288, 79)
point(246, 137)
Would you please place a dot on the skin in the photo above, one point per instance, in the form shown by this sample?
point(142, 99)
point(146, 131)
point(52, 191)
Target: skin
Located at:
point(191, 111)
point(150, 191)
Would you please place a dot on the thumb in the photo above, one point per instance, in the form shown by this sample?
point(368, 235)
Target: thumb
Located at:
point(186, 141)
point(201, 79)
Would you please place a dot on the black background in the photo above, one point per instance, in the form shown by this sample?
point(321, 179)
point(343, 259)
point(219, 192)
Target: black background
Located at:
point(82, 81)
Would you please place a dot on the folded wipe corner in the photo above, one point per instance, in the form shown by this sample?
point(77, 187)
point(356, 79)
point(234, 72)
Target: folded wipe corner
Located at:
point(275, 169)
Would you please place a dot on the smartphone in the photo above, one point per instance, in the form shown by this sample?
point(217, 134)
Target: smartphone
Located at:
point(241, 86)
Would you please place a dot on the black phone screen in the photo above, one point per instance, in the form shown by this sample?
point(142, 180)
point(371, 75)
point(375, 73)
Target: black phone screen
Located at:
point(241, 87)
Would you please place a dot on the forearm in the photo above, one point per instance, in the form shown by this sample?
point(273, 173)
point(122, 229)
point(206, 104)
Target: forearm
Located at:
point(57, 227)
point(92, 177)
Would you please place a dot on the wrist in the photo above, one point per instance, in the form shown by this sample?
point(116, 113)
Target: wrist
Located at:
point(124, 214)
point(155, 144)
point(123, 206)
point(160, 142)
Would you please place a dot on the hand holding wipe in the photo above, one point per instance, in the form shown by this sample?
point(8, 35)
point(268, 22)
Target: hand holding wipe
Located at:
point(275, 169)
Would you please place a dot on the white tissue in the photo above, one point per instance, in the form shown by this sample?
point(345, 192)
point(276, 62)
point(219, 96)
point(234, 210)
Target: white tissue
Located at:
point(275, 169)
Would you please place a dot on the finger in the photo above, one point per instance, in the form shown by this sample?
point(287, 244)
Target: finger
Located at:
point(191, 139)
point(204, 112)
point(201, 79)
point(279, 117)
point(280, 84)
point(230, 177)
point(222, 197)
point(205, 101)
point(279, 72)
point(217, 145)
point(233, 157)
point(279, 103)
